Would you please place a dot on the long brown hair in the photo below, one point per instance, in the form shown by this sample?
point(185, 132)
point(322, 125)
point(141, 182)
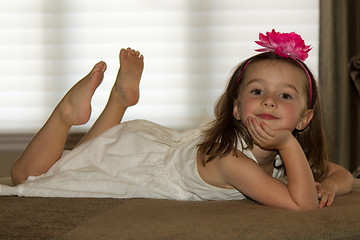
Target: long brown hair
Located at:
point(221, 138)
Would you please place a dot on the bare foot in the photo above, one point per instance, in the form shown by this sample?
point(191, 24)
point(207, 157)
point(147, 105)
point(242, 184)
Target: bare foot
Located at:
point(126, 87)
point(75, 107)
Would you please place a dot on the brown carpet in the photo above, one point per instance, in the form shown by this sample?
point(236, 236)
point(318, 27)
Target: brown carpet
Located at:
point(83, 218)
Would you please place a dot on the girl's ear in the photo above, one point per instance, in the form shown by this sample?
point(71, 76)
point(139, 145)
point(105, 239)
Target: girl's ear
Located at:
point(305, 120)
point(236, 110)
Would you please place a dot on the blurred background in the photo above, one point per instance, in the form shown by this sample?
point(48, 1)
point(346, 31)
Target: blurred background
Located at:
point(190, 49)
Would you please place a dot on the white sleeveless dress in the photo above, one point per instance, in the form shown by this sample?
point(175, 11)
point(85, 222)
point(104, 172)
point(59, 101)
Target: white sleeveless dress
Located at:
point(136, 159)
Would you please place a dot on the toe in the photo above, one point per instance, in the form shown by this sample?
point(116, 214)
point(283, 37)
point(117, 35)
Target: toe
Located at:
point(123, 53)
point(100, 66)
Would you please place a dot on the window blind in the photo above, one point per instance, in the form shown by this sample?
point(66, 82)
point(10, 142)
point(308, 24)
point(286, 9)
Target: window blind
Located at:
point(190, 49)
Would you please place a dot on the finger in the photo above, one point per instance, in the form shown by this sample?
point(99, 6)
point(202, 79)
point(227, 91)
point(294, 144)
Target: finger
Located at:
point(253, 127)
point(252, 131)
point(267, 129)
point(265, 132)
point(259, 136)
point(323, 200)
point(262, 135)
point(330, 200)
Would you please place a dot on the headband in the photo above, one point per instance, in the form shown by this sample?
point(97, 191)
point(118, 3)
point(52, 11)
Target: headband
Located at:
point(286, 45)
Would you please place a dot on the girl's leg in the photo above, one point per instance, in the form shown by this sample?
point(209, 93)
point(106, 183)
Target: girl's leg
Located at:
point(48, 144)
point(125, 93)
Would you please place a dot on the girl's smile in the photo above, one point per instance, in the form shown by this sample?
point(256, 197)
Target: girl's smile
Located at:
point(266, 116)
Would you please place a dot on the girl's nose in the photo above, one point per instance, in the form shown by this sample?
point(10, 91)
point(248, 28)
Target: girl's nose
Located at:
point(269, 102)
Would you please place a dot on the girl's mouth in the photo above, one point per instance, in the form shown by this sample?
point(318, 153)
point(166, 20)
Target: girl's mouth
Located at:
point(266, 116)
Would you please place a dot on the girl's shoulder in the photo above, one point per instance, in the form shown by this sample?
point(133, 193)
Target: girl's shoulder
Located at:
point(217, 172)
point(241, 171)
point(234, 165)
point(236, 160)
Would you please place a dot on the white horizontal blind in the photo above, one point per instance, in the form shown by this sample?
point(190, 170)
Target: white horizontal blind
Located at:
point(190, 48)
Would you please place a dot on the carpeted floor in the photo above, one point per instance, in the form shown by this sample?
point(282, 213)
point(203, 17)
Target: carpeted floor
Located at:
point(84, 218)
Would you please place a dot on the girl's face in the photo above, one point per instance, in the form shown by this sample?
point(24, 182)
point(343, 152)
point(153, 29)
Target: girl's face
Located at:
point(274, 92)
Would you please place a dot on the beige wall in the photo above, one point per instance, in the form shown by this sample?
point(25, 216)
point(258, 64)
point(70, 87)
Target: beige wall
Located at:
point(6, 161)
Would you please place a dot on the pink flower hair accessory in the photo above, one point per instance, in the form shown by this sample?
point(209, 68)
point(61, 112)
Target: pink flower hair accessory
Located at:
point(284, 44)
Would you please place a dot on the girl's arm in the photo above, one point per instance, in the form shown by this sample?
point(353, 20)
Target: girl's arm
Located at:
point(339, 181)
point(248, 177)
point(300, 179)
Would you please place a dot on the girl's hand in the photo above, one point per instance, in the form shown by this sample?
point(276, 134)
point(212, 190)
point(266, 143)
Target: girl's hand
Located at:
point(338, 182)
point(326, 194)
point(267, 138)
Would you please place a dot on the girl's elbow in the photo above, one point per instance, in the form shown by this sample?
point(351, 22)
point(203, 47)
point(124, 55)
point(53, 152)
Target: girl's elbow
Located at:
point(346, 185)
point(308, 206)
point(349, 187)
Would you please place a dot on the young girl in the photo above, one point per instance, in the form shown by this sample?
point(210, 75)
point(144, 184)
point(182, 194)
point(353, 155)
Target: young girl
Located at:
point(267, 122)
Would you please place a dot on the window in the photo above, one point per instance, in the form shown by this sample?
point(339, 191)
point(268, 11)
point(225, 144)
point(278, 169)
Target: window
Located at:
point(190, 49)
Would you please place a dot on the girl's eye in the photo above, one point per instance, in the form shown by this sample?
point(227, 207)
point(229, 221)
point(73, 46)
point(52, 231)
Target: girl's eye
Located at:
point(257, 92)
point(285, 96)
